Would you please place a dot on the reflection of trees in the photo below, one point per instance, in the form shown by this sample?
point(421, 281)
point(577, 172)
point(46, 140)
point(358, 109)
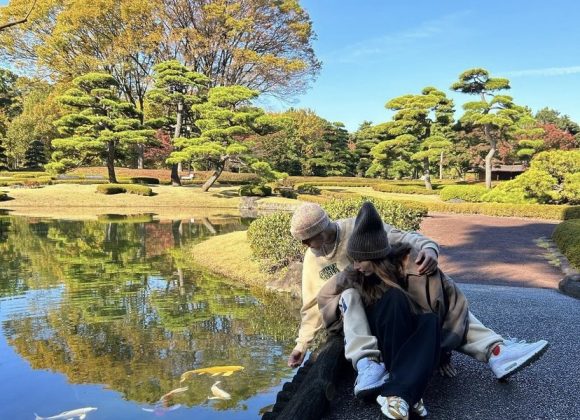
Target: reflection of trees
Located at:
point(127, 319)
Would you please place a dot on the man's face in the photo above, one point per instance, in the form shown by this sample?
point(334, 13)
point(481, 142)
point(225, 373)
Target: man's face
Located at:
point(315, 242)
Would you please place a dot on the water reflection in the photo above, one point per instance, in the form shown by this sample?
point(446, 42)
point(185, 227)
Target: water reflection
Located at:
point(118, 302)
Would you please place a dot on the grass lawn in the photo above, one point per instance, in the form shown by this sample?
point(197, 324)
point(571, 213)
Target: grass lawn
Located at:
point(230, 256)
point(368, 191)
point(83, 202)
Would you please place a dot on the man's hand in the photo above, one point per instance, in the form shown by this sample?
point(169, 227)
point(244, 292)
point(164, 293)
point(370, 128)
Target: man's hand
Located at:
point(296, 358)
point(427, 260)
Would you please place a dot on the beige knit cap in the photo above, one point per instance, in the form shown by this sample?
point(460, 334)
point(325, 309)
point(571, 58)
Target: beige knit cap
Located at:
point(308, 221)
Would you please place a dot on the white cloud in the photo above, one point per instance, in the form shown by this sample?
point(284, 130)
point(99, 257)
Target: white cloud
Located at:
point(549, 71)
point(392, 43)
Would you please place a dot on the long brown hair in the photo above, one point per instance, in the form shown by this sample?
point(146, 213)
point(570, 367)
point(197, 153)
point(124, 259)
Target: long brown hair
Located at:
point(389, 273)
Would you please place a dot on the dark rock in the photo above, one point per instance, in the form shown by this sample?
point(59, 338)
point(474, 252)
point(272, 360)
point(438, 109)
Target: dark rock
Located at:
point(290, 282)
point(570, 285)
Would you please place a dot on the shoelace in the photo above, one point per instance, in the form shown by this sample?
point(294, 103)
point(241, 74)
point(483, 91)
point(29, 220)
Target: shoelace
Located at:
point(514, 340)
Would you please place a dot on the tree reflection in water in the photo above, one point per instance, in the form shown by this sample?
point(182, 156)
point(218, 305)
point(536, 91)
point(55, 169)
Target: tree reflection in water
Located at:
point(134, 313)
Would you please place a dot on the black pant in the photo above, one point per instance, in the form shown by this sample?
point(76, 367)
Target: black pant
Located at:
point(409, 344)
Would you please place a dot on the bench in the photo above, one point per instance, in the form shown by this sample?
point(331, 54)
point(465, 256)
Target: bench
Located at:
point(188, 177)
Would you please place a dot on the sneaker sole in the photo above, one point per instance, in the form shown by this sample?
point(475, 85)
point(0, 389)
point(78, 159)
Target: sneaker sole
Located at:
point(368, 393)
point(527, 363)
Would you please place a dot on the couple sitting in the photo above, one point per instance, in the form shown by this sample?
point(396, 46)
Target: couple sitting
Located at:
point(401, 316)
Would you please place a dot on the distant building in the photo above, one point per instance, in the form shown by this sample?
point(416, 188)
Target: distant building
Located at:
point(498, 172)
point(506, 172)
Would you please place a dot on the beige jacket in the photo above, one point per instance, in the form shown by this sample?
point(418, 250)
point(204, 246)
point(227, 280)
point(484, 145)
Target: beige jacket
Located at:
point(318, 269)
point(435, 293)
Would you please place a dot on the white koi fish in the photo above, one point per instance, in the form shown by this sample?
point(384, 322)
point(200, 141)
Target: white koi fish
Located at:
point(218, 394)
point(81, 413)
point(173, 392)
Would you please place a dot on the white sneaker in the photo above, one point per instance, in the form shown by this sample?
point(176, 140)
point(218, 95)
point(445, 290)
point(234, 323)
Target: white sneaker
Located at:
point(394, 407)
point(515, 355)
point(371, 376)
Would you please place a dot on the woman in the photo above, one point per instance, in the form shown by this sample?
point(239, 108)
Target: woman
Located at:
point(414, 317)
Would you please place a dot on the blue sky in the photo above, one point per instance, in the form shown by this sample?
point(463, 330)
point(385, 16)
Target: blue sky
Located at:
point(375, 50)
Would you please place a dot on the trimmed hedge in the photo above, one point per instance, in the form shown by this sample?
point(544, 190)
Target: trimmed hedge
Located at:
point(3, 196)
point(307, 189)
point(255, 190)
point(406, 189)
point(125, 218)
point(124, 188)
point(469, 193)
point(567, 237)
point(538, 211)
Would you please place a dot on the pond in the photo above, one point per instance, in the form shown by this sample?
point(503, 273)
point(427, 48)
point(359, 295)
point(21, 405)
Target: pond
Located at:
point(110, 313)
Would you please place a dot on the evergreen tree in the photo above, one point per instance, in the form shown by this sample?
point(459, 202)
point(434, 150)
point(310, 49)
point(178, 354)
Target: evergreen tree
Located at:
point(224, 121)
point(97, 124)
point(3, 157)
point(35, 157)
point(418, 131)
point(364, 140)
point(493, 112)
point(176, 89)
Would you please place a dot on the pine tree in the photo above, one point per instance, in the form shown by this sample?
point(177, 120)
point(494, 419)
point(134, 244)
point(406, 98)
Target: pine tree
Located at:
point(35, 156)
point(3, 157)
point(97, 124)
point(176, 90)
point(224, 121)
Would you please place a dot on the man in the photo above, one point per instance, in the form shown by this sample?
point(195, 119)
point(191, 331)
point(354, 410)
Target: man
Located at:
point(326, 255)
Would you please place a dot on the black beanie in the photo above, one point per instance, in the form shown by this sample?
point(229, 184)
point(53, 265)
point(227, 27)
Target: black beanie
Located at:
point(368, 240)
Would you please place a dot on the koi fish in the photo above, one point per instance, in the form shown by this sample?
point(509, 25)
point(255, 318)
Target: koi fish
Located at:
point(266, 409)
point(81, 413)
point(173, 392)
point(213, 371)
point(218, 394)
point(159, 410)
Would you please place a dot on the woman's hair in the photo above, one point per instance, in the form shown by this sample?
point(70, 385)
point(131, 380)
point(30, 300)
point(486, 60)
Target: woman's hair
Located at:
point(389, 271)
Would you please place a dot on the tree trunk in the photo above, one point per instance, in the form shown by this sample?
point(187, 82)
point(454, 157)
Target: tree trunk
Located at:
point(426, 174)
point(175, 181)
point(111, 162)
point(441, 166)
point(140, 151)
point(213, 178)
point(489, 156)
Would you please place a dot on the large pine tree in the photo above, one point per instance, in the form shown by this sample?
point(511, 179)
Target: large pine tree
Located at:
point(96, 125)
point(3, 157)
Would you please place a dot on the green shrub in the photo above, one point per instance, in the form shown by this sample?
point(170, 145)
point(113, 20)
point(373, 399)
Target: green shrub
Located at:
point(392, 212)
point(110, 189)
point(3, 196)
point(571, 188)
point(255, 190)
point(307, 189)
point(138, 189)
point(469, 193)
point(401, 188)
point(567, 237)
point(286, 192)
point(271, 242)
point(538, 211)
point(124, 188)
point(144, 180)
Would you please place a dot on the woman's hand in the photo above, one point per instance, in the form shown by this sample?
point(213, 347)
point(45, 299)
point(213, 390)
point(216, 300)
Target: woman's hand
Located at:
point(427, 260)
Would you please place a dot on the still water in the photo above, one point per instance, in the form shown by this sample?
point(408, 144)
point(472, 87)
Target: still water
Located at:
point(110, 313)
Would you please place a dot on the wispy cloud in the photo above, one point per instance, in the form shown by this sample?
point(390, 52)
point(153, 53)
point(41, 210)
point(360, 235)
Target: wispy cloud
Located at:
point(395, 42)
point(546, 72)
